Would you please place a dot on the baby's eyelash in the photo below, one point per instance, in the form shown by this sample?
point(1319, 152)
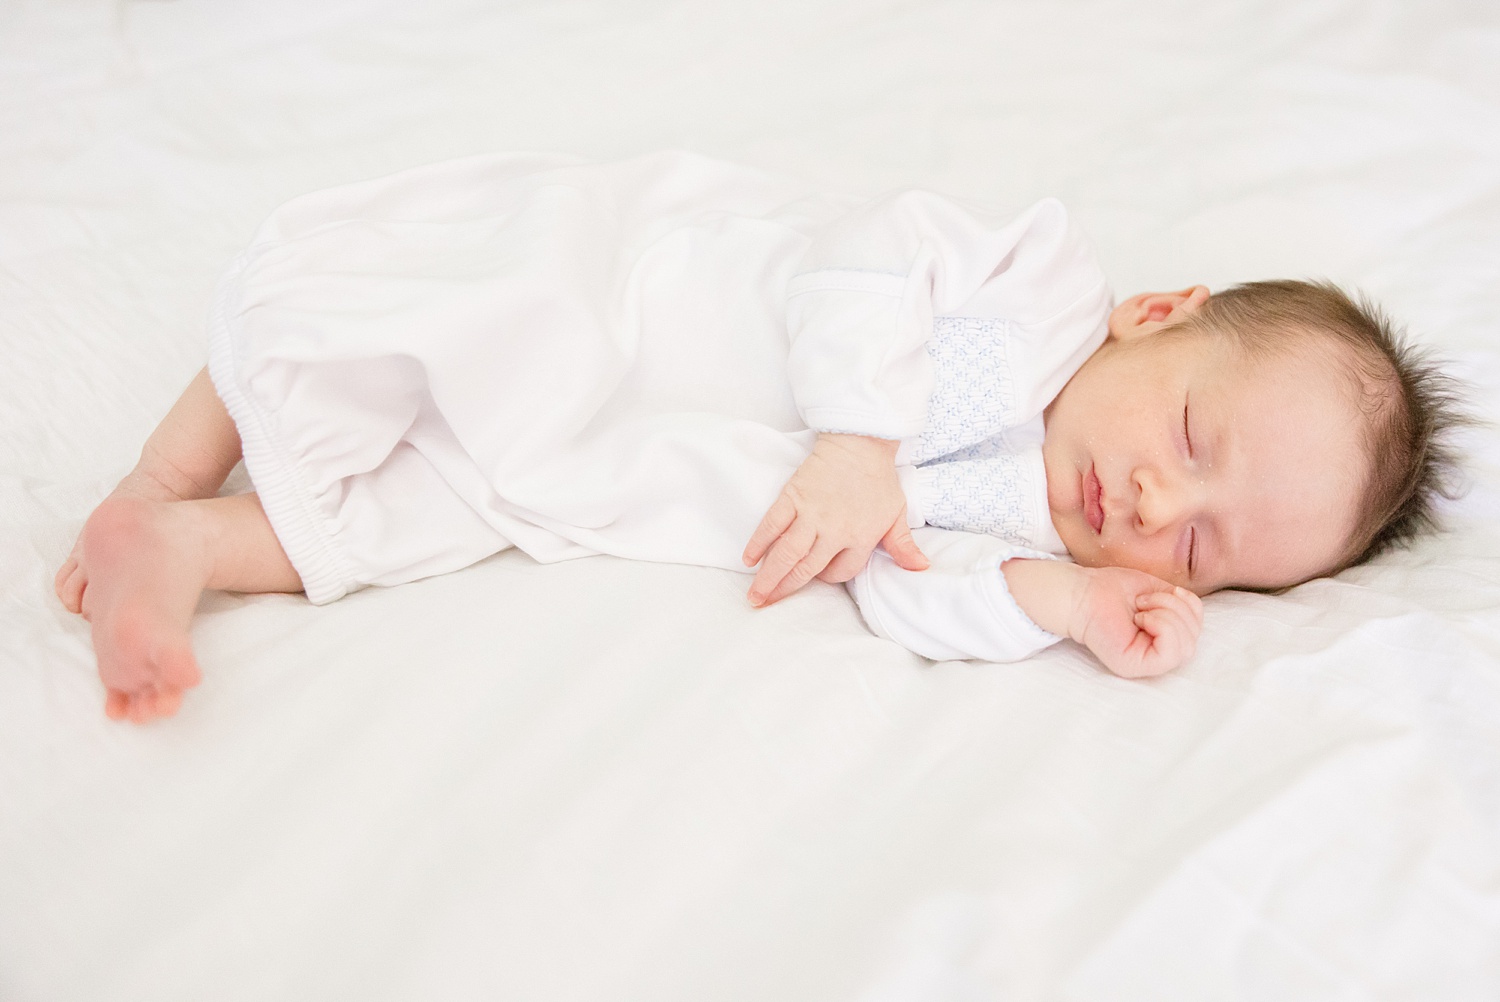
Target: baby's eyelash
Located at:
point(1188, 438)
point(1192, 550)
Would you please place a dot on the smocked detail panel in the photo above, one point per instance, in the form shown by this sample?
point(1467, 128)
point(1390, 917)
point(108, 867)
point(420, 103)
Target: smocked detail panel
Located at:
point(991, 495)
point(973, 397)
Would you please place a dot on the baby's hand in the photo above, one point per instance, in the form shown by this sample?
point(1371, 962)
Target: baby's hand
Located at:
point(1136, 624)
point(843, 501)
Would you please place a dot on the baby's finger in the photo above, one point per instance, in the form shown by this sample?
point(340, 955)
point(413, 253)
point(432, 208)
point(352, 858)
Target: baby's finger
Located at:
point(807, 568)
point(1165, 608)
point(116, 704)
point(785, 554)
point(1193, 602)
point(1180, 602)
point(903, 549)
point(1173, 638)
point(777, 520)
point(168, 702)
point(844, 566)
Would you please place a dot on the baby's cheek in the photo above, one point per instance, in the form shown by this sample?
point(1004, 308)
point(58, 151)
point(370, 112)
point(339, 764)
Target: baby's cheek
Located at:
point(1086, 556)
point(1139, 559)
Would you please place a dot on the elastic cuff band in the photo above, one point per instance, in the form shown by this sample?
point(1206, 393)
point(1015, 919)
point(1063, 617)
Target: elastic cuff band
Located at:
point(288, 504)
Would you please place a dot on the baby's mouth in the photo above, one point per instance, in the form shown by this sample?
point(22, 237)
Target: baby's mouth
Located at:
point(1093, 501)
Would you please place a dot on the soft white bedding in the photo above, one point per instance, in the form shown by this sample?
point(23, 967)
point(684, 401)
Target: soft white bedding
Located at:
point(609, 780)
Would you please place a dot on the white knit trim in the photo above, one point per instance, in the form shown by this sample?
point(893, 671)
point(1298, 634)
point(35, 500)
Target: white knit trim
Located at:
point(999, 590)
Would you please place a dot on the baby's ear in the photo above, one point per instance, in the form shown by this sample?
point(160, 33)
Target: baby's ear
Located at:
point(1148, 312)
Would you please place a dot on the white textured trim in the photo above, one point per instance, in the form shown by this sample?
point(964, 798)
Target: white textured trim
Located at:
point(960, 608)
point(999, 588)
point(838, 421)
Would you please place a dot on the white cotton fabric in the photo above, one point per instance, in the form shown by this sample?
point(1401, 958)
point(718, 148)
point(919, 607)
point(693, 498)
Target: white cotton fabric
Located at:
point(632, 359)
point(959, 607)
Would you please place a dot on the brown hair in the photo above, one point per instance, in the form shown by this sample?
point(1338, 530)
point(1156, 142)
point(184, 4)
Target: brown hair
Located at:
point(1411, 407)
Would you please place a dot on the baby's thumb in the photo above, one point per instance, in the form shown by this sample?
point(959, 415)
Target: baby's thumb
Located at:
point(903, 549)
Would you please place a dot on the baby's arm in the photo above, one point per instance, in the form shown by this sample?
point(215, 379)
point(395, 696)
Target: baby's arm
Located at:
point(843, 501)
point(1136, 624)
point(860, 311)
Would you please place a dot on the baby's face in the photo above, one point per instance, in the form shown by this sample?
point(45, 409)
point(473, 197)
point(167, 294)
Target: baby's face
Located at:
point(1181, 456)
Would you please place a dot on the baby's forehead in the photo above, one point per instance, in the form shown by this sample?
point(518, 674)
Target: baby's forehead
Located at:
point(1303, 399)
point(1365, 380)
point(1291, 451)
point(1303, 361)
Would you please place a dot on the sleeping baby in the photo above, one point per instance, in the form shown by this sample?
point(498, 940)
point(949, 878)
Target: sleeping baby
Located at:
point(676, 359)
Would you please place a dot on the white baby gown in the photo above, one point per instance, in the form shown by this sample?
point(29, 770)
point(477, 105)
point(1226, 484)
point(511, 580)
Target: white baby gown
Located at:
point(633, 358)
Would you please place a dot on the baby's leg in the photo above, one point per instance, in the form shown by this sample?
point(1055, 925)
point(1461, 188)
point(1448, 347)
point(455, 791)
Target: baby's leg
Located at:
point(146, 563)
point(187, 457)
point(191, 452)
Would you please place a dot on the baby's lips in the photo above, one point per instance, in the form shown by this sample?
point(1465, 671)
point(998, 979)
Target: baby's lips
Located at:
point(1093, 501)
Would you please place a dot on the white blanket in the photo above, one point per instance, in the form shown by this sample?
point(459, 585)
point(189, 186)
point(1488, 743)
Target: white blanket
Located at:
point(607, 780)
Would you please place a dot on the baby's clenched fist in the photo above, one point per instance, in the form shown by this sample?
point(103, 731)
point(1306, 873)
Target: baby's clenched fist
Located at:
point(1136, 624)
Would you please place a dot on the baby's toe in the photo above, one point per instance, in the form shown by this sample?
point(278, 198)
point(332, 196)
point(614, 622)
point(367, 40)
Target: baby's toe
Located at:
point(69, 585)
point(175, 666)
point(63, 573)
point(142, 706)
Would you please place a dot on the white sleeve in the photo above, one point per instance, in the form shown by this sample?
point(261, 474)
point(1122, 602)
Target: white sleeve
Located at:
point(959, 608)
point(861, 306)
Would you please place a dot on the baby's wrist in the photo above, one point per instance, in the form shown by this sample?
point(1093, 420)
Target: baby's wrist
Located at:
point(1053, 593)
point(875, 453)
point(1080, 611)
point(860, 443)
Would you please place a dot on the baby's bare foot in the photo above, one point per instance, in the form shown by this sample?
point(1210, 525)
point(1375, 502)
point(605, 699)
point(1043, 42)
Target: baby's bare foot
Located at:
point(140, 570)
point(144, 483)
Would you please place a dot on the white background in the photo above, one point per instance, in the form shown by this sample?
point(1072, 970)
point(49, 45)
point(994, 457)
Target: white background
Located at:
point(614, 781)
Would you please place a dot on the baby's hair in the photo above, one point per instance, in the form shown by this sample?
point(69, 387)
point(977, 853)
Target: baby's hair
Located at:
point(1411, 407)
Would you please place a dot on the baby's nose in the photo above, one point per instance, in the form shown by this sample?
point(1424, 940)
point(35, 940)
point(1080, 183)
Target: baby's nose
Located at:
point(1159, 502)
